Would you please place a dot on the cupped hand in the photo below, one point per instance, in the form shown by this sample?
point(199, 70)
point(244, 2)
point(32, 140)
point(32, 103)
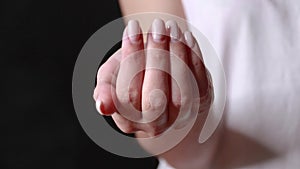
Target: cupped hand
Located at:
point(145, 88)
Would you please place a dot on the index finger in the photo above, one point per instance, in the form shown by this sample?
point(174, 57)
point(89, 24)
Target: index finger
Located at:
point(104, 93)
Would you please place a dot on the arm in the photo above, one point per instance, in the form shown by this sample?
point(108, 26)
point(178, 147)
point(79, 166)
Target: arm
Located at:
point(131, 7)
point(173, 7)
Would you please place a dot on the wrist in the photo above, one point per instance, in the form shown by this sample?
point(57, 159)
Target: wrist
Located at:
point(189, 153)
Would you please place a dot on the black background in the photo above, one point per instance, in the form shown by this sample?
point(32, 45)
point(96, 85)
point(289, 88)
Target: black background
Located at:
point(39, 43)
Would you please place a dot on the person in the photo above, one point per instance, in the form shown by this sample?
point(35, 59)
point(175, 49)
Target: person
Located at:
point(258, 44)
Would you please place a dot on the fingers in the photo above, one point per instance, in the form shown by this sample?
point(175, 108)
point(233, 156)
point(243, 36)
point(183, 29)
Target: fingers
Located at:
point(155, 91)
point(130, 77)
point(104, 93)
point(196, 62)
point(138, 83)
point(200, 72)
point(180, 90)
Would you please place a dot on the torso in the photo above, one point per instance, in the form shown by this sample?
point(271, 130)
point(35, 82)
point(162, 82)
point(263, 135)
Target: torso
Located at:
point(258, 43)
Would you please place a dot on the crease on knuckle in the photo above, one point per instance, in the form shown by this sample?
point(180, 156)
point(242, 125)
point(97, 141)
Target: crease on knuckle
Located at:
point(155, 105)
point(130, 96)
point(197, 64)
point(176, 101)
point(181, 101)
point(134, 96)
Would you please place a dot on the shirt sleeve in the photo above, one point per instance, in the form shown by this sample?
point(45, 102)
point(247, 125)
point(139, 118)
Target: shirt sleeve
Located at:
point(163, 164)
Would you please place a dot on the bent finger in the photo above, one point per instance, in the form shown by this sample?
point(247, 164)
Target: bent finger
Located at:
point(155, 92)
point(130, 77)
point(104, 93)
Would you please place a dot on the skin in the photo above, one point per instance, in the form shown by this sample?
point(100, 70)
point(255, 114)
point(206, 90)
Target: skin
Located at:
point(139, 94)
point(113, 75)
point(235, 147)
point(130, 7)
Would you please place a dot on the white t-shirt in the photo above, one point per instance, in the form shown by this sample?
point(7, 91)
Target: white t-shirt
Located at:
point(258, 42)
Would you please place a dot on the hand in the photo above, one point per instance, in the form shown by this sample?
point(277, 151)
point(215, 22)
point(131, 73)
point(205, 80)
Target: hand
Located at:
point(134, 85)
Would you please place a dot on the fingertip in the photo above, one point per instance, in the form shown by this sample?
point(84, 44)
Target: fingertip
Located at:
point(189, 39)
point(158, 30)
point(192, 43)
point(174, 30)
point(98, 106)
point(101, 108)
point(105, 106)
point(134, 31)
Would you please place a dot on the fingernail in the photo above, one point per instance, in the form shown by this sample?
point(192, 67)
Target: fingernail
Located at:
point(158, 30)
point(134, 31)
point(189, 39)
point(174, 30)
point(98, 106)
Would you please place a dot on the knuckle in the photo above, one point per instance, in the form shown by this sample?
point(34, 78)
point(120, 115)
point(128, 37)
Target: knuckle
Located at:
point(130, 96)
point(157, 104)
point(185, 100)
point(133, 94)
point(197, 64)
point(127, 129)
point(154, 105)
point(101, 70)
point(125, 126)
point(146, 106)
point(123, 96)
point(177, 101)
point(181, 101)
point(95, 94)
